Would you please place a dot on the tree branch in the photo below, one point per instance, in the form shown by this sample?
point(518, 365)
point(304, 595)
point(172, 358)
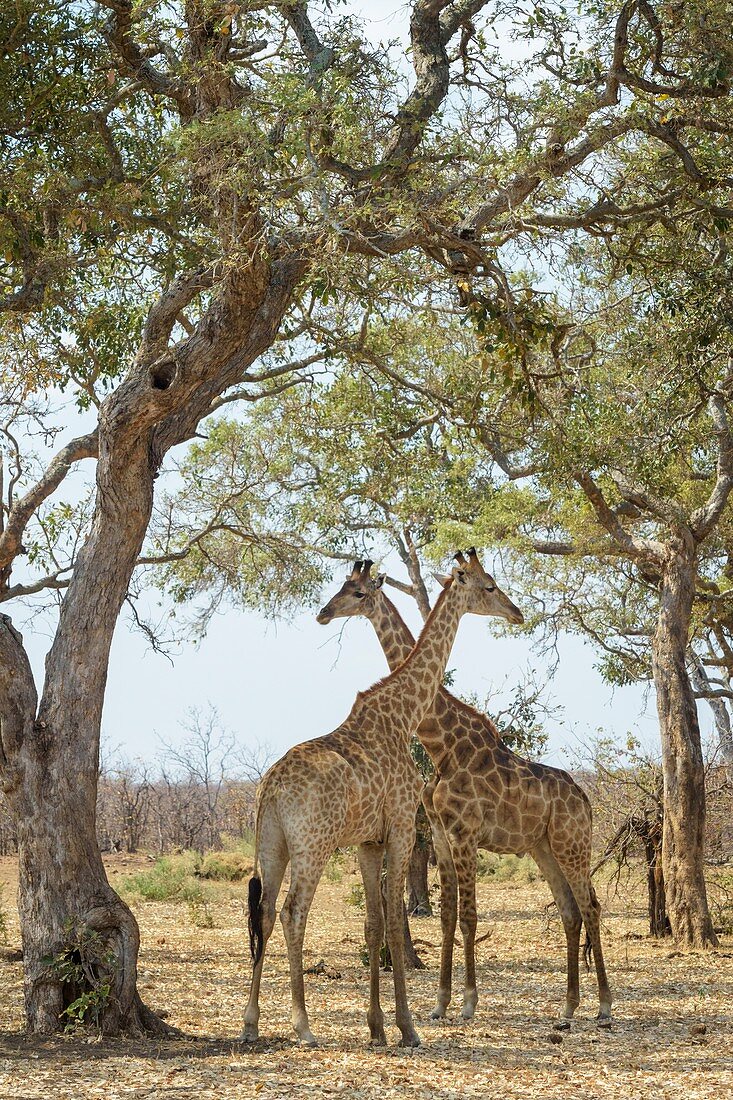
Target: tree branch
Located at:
point(84, 446)
point(639, 549)
point(706, 517)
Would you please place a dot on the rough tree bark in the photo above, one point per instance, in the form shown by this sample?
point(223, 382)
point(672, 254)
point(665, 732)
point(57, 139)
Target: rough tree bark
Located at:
point(418, 897)
point(659, 925)
point(682, 763)
point(62, 880)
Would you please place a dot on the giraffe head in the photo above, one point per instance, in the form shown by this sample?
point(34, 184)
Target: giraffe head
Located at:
point(357, 595)
point(480, 591)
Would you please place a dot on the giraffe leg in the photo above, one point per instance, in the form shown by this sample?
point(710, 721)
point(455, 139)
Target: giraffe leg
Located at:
point(570, 915)
point(272, 866)
point(370, 862)
point(399, 848)
point(464, 860)
point(304, 878)
point(590, 911)
point(448, 915)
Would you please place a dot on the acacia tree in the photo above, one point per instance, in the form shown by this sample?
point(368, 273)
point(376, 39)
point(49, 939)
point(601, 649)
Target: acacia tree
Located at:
point(184, 185)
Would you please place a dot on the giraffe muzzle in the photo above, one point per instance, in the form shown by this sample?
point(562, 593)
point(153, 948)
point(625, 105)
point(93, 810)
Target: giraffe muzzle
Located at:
point(324, 616)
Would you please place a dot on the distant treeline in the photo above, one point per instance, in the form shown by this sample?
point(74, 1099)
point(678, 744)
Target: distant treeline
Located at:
point(159, 815)
point(139, 809)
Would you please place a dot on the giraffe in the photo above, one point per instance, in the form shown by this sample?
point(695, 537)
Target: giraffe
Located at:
point(484, 795)
point(357, 785)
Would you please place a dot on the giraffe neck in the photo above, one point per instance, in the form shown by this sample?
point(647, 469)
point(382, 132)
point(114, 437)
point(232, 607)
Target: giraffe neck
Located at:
point(408, 695)
point(392, 631)
point(437, 736)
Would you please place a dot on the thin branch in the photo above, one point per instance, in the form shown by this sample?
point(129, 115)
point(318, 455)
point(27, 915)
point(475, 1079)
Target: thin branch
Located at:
point(706, 517)
point(11, 538)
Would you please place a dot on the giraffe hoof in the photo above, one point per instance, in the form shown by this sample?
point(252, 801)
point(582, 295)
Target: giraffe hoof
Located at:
point(378, 1041)
point(409, 1041)
point(437, 1013)
point(603, 1021)
point(561, 1025)
point(249, 1035)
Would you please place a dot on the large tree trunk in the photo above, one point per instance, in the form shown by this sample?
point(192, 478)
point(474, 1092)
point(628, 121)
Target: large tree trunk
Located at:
point(651, 834)
point(67, 907)
point(418, 896)
point(49, 766)
point(682, 763)
point(68, 912)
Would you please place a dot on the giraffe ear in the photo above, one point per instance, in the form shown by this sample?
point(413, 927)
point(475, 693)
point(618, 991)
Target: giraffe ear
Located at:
point(379, 580)
point(442, 580)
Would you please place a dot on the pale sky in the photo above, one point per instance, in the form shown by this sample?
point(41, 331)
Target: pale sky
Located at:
point(280, 684)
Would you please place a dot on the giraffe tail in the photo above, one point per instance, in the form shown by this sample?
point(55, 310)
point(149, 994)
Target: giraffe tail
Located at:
point(254, 899)
point(254, 919)
point(588, 945)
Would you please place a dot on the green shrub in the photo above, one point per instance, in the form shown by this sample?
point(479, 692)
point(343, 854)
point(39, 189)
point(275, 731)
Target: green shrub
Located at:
point(506, 868)
point(164, 880)
point(232, 866)
point(355, 896)
point(199, 911)
point(85, 964)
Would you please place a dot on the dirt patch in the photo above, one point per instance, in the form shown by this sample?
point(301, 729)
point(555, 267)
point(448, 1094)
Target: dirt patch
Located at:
point(671, 1037)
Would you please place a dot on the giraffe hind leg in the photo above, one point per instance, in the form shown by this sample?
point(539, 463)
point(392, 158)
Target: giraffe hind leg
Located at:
point(590, 911)
point(273, 861)
point(370, 862)
point(305, 874)
point(571, 920)
point(398, 858)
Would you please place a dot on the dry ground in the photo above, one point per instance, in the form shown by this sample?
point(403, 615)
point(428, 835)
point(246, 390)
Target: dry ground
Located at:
point(672, 1035)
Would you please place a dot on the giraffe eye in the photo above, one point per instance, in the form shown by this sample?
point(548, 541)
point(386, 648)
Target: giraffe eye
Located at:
point(360, 595)
point(491, 588)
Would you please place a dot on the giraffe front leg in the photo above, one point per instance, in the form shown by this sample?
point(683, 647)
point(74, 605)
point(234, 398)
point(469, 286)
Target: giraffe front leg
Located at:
point(370, 862)
point(398, 857)
point(464, 860)
point(448, 916)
